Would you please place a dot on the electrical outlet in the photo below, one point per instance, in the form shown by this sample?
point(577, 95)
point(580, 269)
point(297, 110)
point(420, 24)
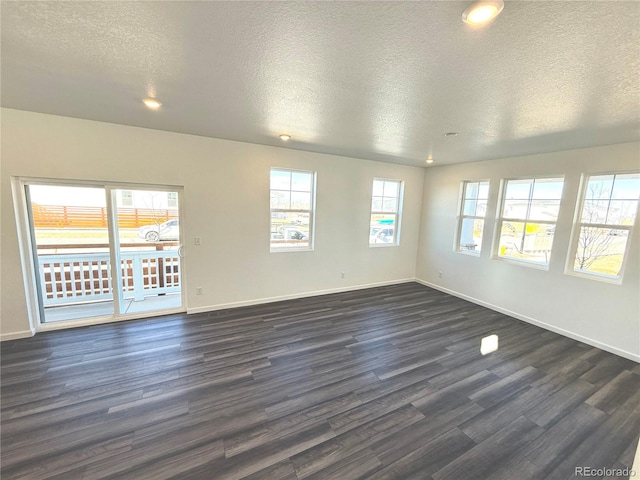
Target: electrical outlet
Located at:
point(440, 274)
point(197, 240)
point(198, 290)
point(342, 275)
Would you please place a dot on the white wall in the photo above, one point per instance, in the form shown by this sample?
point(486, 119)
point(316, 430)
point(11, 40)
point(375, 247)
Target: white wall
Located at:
point(226, 203)
point(226, 200)
point(598, 313)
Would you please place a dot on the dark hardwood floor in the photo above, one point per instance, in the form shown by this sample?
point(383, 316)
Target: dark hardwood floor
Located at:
point(385, 383)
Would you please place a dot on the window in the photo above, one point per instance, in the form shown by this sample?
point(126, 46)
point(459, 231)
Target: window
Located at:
point(386, 203)
point(172, 199)
point(471, 220)
point(528, 221)
point(609, 209)
point(292, 203)
point(127, 198)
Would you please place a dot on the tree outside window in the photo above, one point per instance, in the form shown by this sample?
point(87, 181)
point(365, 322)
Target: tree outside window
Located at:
point(609, 211)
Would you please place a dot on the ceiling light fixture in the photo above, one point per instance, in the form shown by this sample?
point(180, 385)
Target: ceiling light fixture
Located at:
point(430, 160)
point(451, 134)
point(482, 12)
point(152, 103)
point(285, 137)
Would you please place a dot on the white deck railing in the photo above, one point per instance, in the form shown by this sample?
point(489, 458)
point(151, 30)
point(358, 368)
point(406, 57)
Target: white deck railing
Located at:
point(85, 277)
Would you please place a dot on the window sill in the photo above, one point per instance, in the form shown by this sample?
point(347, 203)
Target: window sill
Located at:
point(383, 245)
point(291, 249)
point(470, 253)
point(522, 262)
point(598, 277)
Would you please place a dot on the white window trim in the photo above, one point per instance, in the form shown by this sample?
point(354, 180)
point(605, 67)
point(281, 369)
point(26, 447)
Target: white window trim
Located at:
point(495, 254)
point(311, 212)
point(398, 213)
point(578, 224)
point(462, 216)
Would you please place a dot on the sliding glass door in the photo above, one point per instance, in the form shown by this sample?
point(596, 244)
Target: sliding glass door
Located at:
point(71, 239)
point(148, 240)
point(80, 232)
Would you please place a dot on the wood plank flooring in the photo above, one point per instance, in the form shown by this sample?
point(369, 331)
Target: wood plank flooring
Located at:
point(384, 383)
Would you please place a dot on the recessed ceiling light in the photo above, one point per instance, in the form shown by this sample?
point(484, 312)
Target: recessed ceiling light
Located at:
point(451, 134)
point(152, 103)
point(482, 12)
point(285, 137)
point(430, 160)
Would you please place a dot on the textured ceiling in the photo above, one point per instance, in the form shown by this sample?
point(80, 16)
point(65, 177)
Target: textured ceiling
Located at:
point(374, 80)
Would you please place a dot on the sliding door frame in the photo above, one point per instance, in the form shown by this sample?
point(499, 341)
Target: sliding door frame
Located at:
point(27, 246)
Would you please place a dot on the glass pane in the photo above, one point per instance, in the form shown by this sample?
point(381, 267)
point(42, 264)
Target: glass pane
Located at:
point(599, 187)
point(300, 200)
point(518, 189)
point(289, 229)
point(594, 211)
point(378, 188)
point(376, 204)
point(544, 210)
point(149, 239)
point(301, 181)
point(547, 188)
point(72, 251)
point(280, 179)
point(382, 229)
point(390, 205)
point(469, 207)
point(484, 190)
point(280, 199)
point(471, 190)
point(530, 242)
point(391, 189)
point(515, 209)
point(622, 212)
point(471, 235)
point(627, 187)
point(601, 251)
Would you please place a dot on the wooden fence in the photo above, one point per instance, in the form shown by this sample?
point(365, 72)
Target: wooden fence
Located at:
point(59, 216)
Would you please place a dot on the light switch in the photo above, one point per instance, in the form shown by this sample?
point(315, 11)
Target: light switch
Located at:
point(197, 240)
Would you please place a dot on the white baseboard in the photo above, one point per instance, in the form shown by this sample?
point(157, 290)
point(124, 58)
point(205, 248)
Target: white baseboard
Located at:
point(519, 316)
point(259, 301)
point(533, 321)
point(16, 335)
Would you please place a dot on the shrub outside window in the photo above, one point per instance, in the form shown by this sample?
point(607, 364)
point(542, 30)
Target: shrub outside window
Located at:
point(292, 199)
point(608, 213)
point(386, 203)
point(471, 219)
point(528, 219)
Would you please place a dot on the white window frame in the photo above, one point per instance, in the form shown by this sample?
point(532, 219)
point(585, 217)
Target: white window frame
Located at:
point(458, 247)
point(501, 219)
point(397, 214)
point(578, 224)
point(310, 212)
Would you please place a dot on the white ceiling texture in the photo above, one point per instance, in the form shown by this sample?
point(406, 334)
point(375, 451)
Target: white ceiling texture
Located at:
point(375, 80)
